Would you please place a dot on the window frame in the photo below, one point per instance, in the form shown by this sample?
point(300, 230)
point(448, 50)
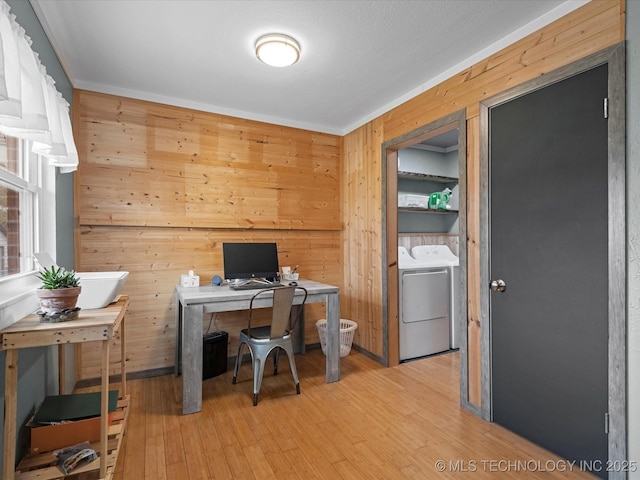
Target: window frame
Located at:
point(36, 184)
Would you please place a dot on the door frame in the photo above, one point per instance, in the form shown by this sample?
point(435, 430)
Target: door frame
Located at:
point(617, 316)
point(390, 306)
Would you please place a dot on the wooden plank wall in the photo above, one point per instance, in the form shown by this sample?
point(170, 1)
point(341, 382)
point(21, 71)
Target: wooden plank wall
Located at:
point(591, 28)
point(473, 261)
point(361, 294)
point(158, 190)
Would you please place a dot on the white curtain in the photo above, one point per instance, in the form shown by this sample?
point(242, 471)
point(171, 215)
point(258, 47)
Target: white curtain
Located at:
point(30, 106)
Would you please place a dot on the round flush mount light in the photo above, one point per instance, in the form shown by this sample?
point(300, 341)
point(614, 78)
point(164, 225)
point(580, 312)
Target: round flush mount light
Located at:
point(277, 50)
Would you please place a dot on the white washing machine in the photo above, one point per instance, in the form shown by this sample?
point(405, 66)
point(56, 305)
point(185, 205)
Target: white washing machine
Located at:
point(442, 255)
point(424, 306)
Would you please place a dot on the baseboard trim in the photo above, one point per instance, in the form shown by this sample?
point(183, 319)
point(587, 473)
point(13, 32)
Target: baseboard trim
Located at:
point(156, 372)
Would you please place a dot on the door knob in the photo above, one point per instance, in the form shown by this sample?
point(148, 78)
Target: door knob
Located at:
point(498, 285)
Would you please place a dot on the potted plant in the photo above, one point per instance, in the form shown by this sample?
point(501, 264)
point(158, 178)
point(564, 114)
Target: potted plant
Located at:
point(60, 289)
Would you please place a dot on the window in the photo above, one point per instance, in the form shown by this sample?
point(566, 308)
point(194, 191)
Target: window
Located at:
point(21, 194)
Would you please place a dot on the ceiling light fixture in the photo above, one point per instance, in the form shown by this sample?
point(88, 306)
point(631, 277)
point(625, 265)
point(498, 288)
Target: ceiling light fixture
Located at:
point(277, 50)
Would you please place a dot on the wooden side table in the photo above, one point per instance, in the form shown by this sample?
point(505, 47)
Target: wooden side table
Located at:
point(91, 325)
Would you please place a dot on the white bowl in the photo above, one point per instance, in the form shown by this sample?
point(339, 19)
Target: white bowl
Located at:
point(99, 289)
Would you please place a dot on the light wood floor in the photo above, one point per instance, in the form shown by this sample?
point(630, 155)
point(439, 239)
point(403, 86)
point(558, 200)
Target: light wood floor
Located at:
point(376, 423)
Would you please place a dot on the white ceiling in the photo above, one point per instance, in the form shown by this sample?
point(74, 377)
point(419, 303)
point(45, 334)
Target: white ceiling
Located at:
point(359, 57)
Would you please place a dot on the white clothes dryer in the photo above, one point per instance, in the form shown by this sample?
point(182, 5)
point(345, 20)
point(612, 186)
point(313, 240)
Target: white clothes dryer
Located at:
point(442, 255)
point(425, 304)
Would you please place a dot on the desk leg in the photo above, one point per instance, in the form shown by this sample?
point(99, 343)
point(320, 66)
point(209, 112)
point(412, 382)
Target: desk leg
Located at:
point(192, 359)
point(333, 338)
point(104, 409)
point(10, 414)
point(62, 369)
point(123, 359)
point(179, 333)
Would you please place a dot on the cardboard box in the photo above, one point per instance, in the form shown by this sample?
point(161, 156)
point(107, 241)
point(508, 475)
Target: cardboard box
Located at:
point(65, 420)
point(47, 438)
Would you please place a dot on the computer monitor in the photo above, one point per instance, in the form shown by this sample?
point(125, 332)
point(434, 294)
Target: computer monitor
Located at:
point(250, 260)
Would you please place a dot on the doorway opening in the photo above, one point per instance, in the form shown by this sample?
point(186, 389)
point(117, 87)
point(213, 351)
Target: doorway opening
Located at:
point(424, 216)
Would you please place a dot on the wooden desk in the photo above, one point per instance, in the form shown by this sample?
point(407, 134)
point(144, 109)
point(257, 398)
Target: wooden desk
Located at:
point(193, 302)
point(91, 325)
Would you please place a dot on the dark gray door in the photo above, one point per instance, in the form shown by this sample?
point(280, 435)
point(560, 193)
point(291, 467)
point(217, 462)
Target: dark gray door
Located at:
point(548, 242)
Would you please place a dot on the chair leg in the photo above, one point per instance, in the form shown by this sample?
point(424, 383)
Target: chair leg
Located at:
point(275, 360)
point(292, 362)
point(258, 372)
point(238, 363)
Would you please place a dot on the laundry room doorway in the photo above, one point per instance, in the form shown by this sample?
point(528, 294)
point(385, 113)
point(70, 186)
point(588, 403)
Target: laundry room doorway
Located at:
point(424, 217)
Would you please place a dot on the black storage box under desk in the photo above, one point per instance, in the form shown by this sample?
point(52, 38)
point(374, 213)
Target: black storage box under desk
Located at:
point(214, 354)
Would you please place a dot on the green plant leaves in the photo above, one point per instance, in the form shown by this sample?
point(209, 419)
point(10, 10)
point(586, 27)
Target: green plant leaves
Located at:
point(53, 278)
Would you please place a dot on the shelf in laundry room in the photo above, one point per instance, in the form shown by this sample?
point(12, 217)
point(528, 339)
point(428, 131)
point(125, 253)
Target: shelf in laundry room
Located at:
point(425, 177)
point(426, 210)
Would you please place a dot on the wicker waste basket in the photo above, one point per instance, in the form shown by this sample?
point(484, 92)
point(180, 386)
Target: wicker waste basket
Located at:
point(347, 329)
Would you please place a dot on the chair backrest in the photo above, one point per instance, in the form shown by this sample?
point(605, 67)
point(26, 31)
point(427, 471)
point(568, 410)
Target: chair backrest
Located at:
point(281, 311)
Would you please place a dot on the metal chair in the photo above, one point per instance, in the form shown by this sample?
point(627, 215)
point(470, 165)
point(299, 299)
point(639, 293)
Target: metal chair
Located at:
point(261, 341)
